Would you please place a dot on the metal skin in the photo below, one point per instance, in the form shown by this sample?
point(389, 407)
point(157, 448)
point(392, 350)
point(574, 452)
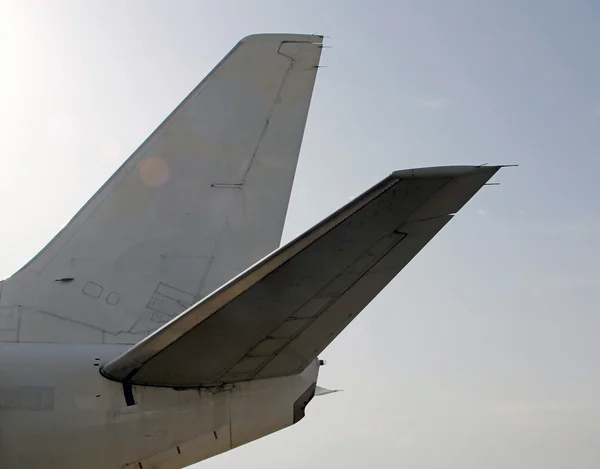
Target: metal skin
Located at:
point(203, 198)
point(164, 324)
point(59, 412)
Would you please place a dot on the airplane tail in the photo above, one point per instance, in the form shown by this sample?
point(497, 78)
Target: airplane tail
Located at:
point(203, 198)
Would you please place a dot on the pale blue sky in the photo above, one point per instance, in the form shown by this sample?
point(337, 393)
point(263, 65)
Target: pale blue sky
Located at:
point(484, 352)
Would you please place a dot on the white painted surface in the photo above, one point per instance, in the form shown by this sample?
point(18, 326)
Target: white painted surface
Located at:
point(56, 410)
point(203, 198)
point(280, 315)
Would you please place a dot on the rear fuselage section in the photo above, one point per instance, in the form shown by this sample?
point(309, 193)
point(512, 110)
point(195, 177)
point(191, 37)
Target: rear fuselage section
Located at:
point(56, 410)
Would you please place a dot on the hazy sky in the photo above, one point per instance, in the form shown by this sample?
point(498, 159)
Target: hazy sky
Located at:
point(484, 352)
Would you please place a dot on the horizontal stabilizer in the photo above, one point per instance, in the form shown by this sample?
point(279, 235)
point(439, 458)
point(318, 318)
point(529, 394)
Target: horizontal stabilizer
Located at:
point(278, 316)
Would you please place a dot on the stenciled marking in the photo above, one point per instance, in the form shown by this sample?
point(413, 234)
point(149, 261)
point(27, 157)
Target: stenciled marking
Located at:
point(40, 398)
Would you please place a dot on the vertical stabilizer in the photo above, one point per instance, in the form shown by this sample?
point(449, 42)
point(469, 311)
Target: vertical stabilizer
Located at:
point(204, 197)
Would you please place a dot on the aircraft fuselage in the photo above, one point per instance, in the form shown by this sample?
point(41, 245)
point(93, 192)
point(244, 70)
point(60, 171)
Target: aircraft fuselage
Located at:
point(56, 410)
